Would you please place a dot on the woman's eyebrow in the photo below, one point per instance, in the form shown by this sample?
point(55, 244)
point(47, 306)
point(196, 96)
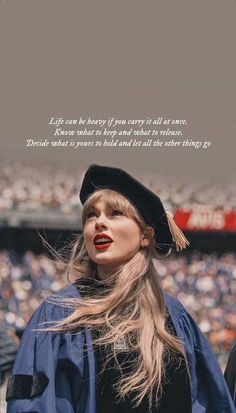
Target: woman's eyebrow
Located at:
point(108, 205)
point(91, 207)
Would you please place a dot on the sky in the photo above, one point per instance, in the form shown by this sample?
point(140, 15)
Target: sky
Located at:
point(128, 60)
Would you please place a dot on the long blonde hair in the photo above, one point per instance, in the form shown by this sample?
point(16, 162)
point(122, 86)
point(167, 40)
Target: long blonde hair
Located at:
point(132, 307)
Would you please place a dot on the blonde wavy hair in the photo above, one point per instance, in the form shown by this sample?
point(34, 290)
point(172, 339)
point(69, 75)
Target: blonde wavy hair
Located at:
point(131, 307)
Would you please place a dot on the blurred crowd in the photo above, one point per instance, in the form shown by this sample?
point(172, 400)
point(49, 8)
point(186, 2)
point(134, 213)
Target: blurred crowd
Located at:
point(205, 284)
point(24, 282)
point(32, 189)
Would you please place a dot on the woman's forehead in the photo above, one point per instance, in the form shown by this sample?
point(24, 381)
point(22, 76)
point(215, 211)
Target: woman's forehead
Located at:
point(109, 200)
point(101, 201)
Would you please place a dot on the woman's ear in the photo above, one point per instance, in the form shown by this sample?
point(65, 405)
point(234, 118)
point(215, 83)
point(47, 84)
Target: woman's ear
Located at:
point(146, 237)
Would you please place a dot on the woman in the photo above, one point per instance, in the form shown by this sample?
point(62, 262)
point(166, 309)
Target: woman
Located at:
point(113, 342)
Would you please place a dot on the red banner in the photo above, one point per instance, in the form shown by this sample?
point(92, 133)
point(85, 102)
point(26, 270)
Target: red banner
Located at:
point(205, 219)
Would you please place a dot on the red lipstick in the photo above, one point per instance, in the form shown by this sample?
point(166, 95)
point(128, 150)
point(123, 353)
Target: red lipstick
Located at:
point(102, 241)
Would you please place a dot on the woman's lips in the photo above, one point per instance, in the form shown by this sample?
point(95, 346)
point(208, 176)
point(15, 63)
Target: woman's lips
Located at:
point(103, 246)
point(102, 241)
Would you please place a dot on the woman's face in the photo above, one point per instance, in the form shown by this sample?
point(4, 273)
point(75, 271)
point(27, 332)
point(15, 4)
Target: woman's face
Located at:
point(111, 238)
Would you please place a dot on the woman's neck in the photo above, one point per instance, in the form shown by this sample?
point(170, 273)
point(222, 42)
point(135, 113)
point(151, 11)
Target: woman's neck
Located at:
point(103, 273)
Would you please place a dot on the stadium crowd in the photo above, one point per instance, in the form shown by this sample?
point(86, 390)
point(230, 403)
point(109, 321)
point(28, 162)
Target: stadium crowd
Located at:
point(26, 188)
point(205, 284)
point(30, 189)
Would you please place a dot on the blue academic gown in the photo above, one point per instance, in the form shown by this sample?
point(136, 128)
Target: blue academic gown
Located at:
point(55, 372)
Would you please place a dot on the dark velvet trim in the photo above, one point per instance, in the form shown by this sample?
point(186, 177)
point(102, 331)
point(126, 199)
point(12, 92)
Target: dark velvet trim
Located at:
point(24, 386)
point(39, 384)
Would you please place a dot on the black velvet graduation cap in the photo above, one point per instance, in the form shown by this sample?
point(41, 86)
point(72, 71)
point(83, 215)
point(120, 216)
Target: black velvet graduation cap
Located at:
point(147, 203)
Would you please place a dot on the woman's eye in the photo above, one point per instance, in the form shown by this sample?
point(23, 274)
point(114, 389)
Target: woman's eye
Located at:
point(117, 212)
point(91, 214)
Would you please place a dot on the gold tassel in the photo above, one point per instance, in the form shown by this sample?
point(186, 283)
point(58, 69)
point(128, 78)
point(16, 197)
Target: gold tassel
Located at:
point(178, 237)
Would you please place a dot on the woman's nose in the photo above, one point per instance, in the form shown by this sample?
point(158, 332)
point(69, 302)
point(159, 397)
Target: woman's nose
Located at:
point(101, 222)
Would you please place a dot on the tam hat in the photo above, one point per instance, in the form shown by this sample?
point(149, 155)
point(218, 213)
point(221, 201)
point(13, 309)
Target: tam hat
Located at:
point(149, 205)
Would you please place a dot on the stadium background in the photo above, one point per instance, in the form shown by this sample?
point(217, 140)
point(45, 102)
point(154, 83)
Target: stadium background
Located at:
point(45, 201)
